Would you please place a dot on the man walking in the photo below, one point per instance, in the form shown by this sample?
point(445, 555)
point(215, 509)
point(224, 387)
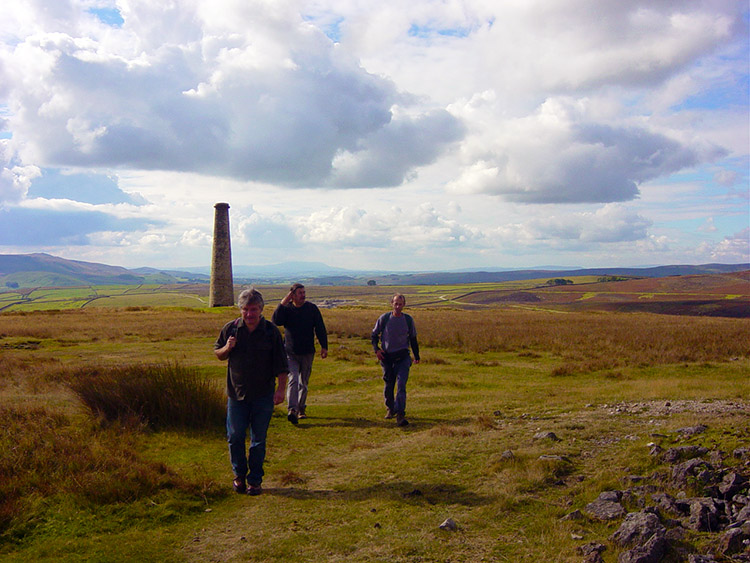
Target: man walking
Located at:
point(256, 357)
point(395, 332)
point(302, 322)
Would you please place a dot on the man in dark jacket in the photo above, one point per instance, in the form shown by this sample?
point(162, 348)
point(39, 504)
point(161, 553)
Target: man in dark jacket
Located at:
point(302, 322)
point(256, 357)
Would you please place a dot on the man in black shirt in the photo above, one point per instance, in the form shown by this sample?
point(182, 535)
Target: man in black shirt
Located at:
point(301, 321)
point(256, 358)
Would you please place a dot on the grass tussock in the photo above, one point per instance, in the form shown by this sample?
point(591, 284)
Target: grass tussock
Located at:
point(158, 396)
point(43, 454)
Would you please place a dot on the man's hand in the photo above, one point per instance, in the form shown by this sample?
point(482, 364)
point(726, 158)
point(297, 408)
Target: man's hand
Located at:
point(223, 352)
point(323, 353)
point(380, 354)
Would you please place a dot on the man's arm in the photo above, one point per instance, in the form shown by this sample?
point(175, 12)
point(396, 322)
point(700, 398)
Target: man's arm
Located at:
point(280, 394)
point(321, 333)
point(375, 338)
point(279, 314)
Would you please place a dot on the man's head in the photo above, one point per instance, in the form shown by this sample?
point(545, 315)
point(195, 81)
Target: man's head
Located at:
point(251, 306)
point(298, 294)
point(398, 301)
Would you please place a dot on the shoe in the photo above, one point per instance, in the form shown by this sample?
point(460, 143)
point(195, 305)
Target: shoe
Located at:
point(401, 420)
point(239, 485)
point(389, 414)
point(254, 490)
point(301, 415)
point(292, 417)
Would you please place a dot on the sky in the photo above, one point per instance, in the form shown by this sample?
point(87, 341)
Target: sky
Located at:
point(404, 136)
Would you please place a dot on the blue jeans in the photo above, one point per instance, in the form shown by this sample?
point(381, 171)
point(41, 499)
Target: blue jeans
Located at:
point(300, 368)
point(396, 374)
point(241, 415)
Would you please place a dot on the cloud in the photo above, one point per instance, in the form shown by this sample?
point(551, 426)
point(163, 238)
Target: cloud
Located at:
point(734, 248)
point(255, 93)
point(558, 155)
point(422, 227)
point(256, 231)
point(14, 179)
point(612, 223)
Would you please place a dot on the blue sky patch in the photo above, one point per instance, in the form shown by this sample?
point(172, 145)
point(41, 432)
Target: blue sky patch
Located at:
point(91, 188)
point(33, 227)
point(109, 16)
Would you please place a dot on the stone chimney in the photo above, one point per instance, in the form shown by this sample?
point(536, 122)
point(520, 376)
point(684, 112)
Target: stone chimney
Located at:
point(221, 293)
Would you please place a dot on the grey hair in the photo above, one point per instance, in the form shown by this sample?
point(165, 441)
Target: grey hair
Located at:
point(250, 296)
point(398, 296)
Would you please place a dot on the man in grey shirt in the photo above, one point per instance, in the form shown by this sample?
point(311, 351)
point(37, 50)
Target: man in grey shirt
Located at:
point(394, 333)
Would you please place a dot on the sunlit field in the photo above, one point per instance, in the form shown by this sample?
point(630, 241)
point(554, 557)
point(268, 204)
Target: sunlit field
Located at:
point(96, 465)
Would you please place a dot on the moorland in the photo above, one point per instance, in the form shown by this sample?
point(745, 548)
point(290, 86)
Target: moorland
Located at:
point(96, 465)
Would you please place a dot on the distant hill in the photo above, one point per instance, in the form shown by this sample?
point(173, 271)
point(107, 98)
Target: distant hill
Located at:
point(446, 278)
point(44, 270)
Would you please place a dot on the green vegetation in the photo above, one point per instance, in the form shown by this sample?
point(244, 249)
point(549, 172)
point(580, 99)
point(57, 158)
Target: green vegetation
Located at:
point(86, 474)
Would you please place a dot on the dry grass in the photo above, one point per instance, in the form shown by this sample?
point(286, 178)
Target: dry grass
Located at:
point(158, 396)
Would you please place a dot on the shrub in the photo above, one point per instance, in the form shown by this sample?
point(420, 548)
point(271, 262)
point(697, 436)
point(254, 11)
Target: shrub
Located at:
point(156, 395)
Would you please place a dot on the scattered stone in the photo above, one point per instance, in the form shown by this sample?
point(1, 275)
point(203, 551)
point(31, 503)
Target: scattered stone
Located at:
point(637, 529)
point(575, 515)
point(576, 536)
point(546, 436)
point(591, 547)
point(613, 496)
point(377, 525)
point(602, 509)
point(692, 430)
point(449, 525)
point(665, 502)
point(656, 450)
point(497, 414)
point(694, 558)
point(740, 453)
point(688, 470)
point(673, 455)
point(552, 457)
point(507, 455)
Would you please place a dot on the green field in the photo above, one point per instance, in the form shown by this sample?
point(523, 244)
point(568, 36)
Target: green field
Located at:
point(347, 485)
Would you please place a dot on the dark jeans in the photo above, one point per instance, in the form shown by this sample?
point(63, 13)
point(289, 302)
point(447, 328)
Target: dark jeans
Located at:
point(396, 374)
point(241, 415)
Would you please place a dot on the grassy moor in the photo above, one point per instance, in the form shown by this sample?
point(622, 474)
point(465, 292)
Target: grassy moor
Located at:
point(531, 400)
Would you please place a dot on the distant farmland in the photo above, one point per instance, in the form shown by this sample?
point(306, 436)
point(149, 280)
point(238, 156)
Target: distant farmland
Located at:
point(723, 295)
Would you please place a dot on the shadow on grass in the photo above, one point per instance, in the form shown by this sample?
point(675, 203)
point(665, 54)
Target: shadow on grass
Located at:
point(405, 491)
point(419, 423)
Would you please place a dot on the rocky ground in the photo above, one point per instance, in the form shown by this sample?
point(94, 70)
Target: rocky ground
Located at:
point(711, 502)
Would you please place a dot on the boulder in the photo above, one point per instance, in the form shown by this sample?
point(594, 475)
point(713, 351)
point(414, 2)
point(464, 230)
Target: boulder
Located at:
point(731, 484)
point(651, 552)
point(637, 529)
point(605, 510)
point(704, 514)
point(734, 540)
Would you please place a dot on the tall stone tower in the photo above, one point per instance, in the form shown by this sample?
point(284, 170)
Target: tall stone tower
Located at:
point(222, 289)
